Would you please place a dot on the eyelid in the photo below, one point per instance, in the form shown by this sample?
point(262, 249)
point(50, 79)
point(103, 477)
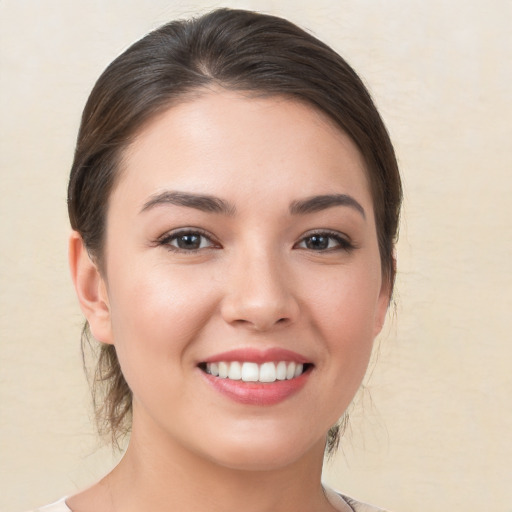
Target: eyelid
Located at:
point(166, 238)
point(344, 241)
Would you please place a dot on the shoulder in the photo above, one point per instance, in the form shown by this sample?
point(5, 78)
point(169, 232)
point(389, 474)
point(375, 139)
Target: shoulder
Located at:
point(359, 506)
point(340, 501)
point(58, 506)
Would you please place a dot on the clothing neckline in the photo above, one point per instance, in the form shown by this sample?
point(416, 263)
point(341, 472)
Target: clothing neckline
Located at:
point(336, 499)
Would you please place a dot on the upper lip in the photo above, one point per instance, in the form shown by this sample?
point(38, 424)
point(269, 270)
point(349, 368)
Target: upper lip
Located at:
point(258, 356)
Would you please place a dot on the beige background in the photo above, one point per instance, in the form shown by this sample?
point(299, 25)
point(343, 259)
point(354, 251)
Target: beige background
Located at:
point(433, 432)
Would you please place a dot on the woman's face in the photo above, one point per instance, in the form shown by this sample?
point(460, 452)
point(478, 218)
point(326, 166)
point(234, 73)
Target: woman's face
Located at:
point(241, 241)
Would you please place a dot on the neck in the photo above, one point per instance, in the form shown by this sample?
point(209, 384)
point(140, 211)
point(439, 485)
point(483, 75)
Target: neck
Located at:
point(159, 474)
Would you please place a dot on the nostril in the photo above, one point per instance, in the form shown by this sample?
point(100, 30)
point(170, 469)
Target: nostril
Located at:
point(259, 309)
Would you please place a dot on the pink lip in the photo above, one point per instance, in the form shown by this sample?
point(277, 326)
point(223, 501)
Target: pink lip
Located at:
point(257, 393)
point(258, 356)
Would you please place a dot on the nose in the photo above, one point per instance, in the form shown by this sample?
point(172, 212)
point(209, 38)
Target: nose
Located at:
point(259, 293)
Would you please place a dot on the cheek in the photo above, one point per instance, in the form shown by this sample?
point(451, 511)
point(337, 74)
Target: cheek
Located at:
point(344, 310)
point(347, 329)
point(155, 314)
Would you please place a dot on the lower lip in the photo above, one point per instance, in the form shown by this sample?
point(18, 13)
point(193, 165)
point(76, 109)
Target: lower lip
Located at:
point(258, 393)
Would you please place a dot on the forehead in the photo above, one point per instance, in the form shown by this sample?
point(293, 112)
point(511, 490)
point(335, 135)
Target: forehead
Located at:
point(223, 142)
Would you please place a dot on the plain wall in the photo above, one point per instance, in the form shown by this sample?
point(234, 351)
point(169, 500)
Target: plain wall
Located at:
point(432, 431)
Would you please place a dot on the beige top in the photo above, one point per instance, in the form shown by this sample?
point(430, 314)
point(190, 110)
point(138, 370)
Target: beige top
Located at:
point(337, 500)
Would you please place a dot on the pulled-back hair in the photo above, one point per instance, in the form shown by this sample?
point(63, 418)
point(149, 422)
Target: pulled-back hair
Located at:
point(236, 50)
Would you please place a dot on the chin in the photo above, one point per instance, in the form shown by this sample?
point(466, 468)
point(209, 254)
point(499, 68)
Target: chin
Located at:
point(266, 453)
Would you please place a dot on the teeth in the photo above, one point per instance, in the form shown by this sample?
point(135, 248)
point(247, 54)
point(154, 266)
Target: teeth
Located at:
point(290, 371)
point(250, 372)
point(267, 372)
point(223, 370)
point(253, 372)
point(235, 371)
point(281, 371)
point(214, 369)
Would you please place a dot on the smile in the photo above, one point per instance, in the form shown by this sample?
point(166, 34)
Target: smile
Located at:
point(253, 372)
point(259, 377)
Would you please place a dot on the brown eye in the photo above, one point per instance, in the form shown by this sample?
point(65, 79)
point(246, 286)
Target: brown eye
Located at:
point(325, 242)
point(317, 242)
point(187, 241)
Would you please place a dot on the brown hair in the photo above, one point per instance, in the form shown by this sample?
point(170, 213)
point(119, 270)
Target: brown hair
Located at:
point(236, 50)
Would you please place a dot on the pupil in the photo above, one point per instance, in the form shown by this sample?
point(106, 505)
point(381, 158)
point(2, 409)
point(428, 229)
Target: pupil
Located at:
point(317, 242)
point(189, 242)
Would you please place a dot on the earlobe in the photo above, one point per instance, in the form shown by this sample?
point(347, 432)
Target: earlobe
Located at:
point(90, 288)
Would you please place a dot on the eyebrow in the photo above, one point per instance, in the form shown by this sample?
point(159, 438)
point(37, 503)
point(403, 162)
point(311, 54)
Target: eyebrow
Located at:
point(205, 203)
point(322, 202)
point(212, 204)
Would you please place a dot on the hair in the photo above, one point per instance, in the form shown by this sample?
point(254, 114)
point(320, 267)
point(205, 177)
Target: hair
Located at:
point(235, 50)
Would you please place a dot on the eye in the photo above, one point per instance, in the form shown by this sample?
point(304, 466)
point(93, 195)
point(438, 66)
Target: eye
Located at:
point(186, 241)
point(325, 241)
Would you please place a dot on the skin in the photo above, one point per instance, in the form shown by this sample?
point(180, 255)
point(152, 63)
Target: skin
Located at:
point(256, 281)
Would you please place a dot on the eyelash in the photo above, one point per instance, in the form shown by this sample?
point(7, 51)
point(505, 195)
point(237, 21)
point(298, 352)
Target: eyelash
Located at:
point(168, 238)
point(342, 243)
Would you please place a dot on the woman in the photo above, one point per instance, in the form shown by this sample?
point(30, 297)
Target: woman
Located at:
point(234, 200)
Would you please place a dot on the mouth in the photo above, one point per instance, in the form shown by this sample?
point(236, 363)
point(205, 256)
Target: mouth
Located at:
point(257, 377)
point(248, 371)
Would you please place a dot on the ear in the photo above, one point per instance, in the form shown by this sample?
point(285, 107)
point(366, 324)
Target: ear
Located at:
point(90, 288)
